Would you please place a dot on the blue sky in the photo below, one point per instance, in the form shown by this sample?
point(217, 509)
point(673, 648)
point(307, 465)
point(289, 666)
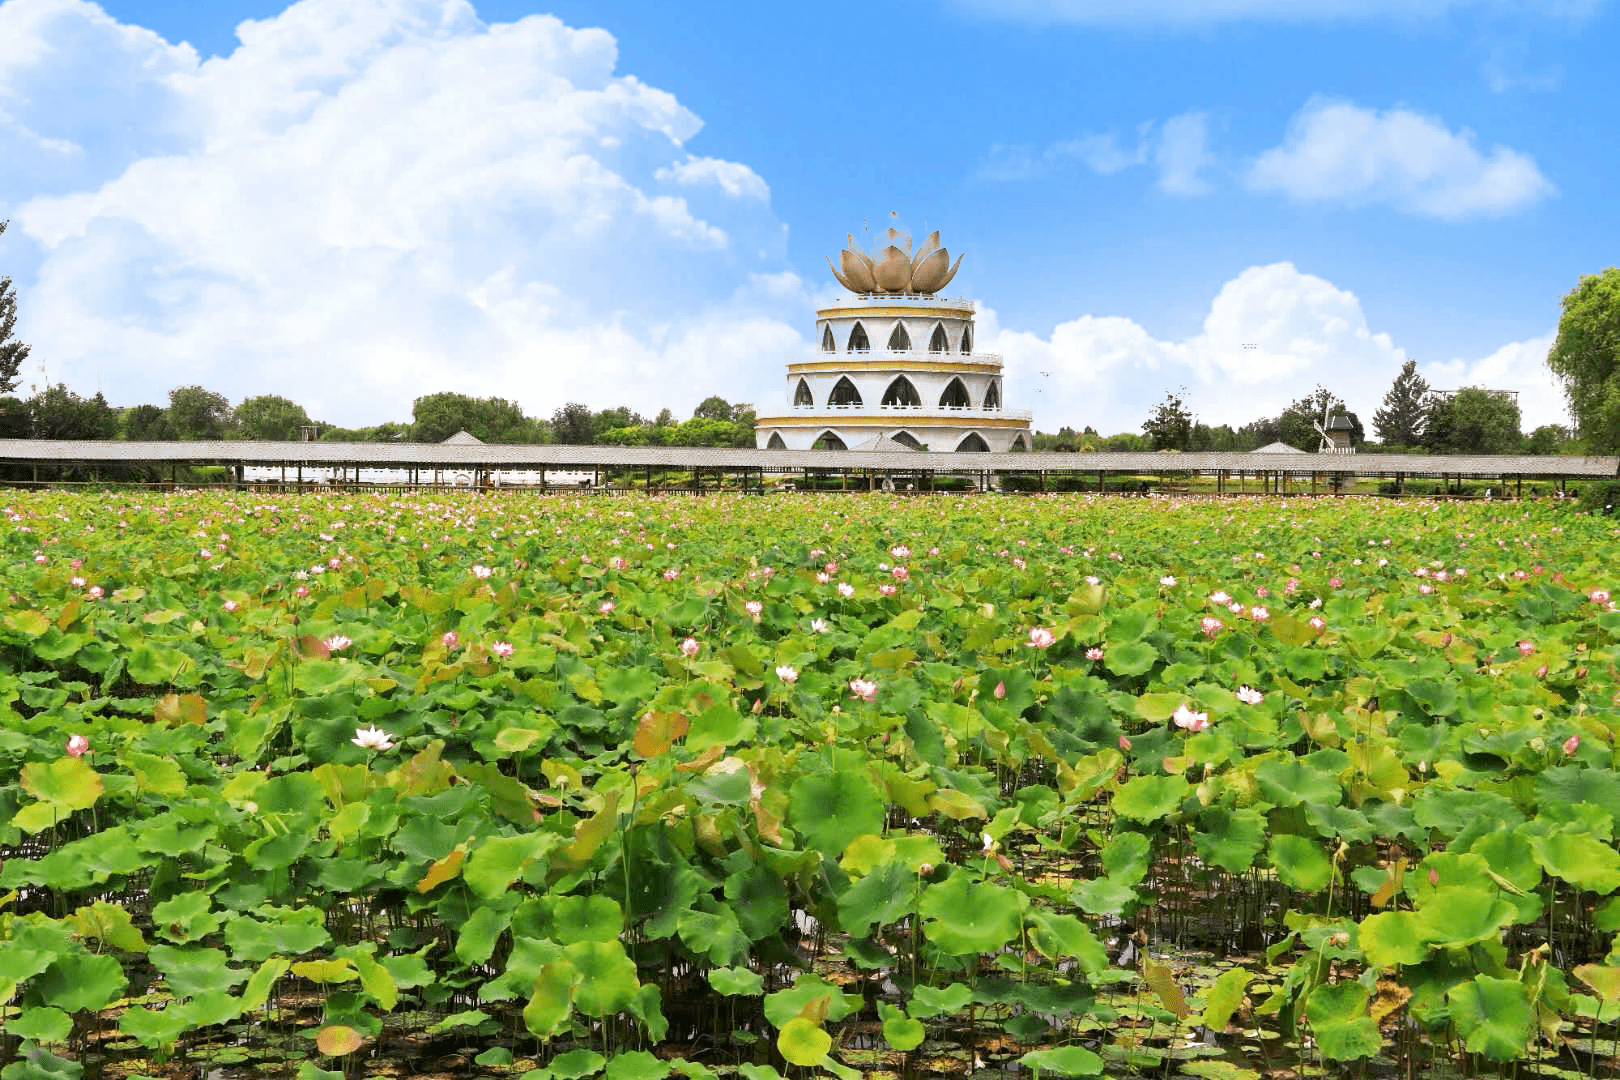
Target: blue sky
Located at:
point(355, 202)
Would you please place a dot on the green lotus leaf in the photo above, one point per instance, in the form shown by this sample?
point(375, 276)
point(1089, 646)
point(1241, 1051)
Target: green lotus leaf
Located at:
point(884, 895)
point(1300, 863)
point(607, 977)
point(1149, 799)
point(1064, 937)
point(735, 981)
point(1063, 1061)
point(637, 1065)
point(1131, 658)
point(80, 982)
point(577, 1064)
point(186, 917)
point(813, 993)
point(500, 860)
point(1342, 1023)
point(1394, 938)
point(803, 1042)
point(66, 784)
point(963, 917)
point(1493, 1016)
point(153, 1028)
point(831, 809)
point(1230, 839)
point(286, 932)
point(1222, 999)
point(1566, 785)
point(193, 971)
point(1463, 914)
point(109, 923)
point(587, 918)
point(1290, 782)
point(42, 1024)
point(900, 1031)
point(759, 899)
point(928, 1002)
point(551, 1000)
point(1579, 859)
point(478, 935)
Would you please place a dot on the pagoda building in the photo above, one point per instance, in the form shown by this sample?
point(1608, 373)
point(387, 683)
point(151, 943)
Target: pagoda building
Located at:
point(896, 366)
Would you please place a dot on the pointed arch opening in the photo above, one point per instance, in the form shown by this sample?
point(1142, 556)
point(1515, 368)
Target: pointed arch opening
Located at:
point(906, 438)
point(802, 394)
point(902, 393)
point(939, 342)
point(844, 393)
point(992, 396)
point(827, 340)
point(973, 443)
point(858, 341)
point(776, 442)
point(828, 440)
point(967, 339)
point(1019, 446)
point(955, 396)
point(899, 339)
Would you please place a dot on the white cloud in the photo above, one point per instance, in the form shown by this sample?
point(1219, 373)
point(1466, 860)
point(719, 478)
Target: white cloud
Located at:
point(1271, 335)
point(731, 177)
point(1178, 148)
point(1340, 152)
point(369, 200)
point(1201, 13)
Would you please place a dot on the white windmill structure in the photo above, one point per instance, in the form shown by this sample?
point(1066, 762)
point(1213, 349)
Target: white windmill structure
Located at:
point(1334, 429)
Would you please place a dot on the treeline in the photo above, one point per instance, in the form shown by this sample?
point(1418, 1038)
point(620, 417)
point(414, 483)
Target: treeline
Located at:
point(1412, 419)
point(195, 413)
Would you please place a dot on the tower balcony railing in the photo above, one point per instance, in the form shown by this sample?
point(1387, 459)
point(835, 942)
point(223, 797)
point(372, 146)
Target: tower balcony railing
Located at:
point(960, 303)
point(897, 357)
point(963, 412)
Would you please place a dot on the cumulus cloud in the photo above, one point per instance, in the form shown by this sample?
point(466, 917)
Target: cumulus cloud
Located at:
point(1340, 152)
point(1202, 13)
point(1178, 148)
point(369, 200)
point(1271, 335)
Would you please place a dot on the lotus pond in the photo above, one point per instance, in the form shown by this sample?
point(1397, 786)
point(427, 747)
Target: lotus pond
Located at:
point(552, 787)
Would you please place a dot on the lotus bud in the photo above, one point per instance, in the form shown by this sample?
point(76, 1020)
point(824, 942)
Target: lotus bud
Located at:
point(1001, 691)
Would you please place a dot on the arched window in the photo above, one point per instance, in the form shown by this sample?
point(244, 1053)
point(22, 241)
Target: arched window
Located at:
point(858, 341)
point(845, 393)
point(776, 442)
point(802, 395)
point(827, 340)
point(899, 340)
point(955, 396)
point(992, 396)
point(906, 438)
point(901, 392)
point(967, 339)
point(973, 444)
point(829, 440)
point(939, 342)
point(1019, 446)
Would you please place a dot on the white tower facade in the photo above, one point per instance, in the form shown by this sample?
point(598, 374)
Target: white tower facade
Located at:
point(896, 367)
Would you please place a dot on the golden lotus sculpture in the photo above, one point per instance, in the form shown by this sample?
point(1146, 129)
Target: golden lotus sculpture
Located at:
point(896, 269)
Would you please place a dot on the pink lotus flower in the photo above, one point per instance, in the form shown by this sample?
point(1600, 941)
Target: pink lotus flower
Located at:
point(900, 573)
point(1249, 695)
point(887, 590)
point(337, 643)
point(1600, 596)
point(78, 746)
point(1019, 563)
point(451, 640)
point(690, 647)
point(818, 626)
point(1259, 614)
point(823, 578)
point(1185, 718)
point(1094, 653)
point(754, 607)
point(1220, 598)
point(832, 568)
point(606, 607)
point(787, 673)
point(231, 607)
point(1000, 692)
point(502, 649)
point(900, 551)
point(1262, 592)
point(1334, 583)
point(1235, 608)
point(1168, 581)
point(1572, 744)
point(671, 574)
point(1425, 589)
point(617, 563)
point(1040, 638)
point(42, 560)
point(1124, 744)
point(97, 592)
point(1093, 579)
point(1526, 648)
point(481, 572)
point(1318, 623)
point(76, 582)
point(846, 590)
point(864, 689)
point(1211, 625)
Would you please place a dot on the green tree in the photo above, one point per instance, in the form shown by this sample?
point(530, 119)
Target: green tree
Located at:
point(572, 424)
point(1586, 358)
point(436, 417)
point(666, 418)
point(58, 413)
point(146, 423)
point(12, 353)
point(1474, 420)
point(15, 421)
point(1406, 407)
point(1170, 426)
point(271, 417)
point(1297, 424)
point(714, 408)
point(1549, 439)
point(196, 413)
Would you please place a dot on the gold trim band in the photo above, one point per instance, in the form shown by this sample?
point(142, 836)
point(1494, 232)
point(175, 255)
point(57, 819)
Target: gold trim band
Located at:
point(948, 366)
point(887, 421)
